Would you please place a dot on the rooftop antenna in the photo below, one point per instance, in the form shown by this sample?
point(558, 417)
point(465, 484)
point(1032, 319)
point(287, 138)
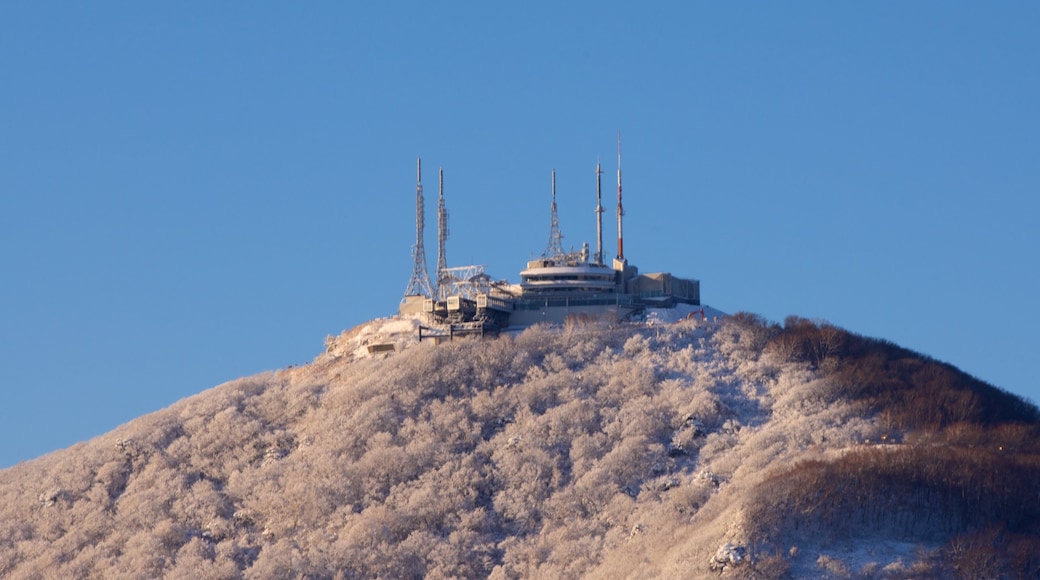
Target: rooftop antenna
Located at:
point(419, 285)
point(599, 216)
point(555, 247)
point(620, 210)
point(442, 235)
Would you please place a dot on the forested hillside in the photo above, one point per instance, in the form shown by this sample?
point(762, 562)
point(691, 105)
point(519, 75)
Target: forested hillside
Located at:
point(737, 448)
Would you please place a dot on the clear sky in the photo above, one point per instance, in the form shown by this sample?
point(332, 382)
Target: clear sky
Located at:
point(191, 192)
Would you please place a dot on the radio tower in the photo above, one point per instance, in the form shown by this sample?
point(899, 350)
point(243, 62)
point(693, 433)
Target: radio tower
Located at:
point(555, 248)
point(599, 216)
point(442, 236)
point(419, 285)
point(620, 210)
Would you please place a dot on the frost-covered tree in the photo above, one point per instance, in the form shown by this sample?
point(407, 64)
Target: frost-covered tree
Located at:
point(683, 450)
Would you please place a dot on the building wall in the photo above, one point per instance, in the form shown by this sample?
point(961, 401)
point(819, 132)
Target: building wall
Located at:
point(664, 285)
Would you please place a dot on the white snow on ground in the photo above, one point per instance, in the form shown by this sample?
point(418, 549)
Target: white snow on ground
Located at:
point(397, 330)
point(867, 558)
point(403, 330)
point(680, 312)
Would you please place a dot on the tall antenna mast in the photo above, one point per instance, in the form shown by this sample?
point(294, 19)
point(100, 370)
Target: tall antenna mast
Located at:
point(599, 216)
point(442, 235)
point(620, 210)
point(419, 285)
point(555, 247)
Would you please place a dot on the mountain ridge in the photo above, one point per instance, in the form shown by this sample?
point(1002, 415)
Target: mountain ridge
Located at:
point(735, 447)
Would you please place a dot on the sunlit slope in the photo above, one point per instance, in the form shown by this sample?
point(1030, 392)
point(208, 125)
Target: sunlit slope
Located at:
point(678, 450)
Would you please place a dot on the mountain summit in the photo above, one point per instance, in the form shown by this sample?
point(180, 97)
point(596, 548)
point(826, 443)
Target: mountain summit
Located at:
point(701, 448)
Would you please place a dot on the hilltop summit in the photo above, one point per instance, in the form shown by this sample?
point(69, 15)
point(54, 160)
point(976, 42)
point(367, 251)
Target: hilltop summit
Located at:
point(689, 449)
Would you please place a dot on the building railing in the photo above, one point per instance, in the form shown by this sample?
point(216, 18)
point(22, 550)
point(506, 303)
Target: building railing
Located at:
point(623, 300)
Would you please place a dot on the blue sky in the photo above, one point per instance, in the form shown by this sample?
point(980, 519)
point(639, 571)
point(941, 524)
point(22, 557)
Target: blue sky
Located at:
point(194, 192)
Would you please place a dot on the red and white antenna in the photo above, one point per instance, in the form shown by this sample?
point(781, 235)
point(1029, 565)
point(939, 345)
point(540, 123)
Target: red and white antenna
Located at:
point(620, 210)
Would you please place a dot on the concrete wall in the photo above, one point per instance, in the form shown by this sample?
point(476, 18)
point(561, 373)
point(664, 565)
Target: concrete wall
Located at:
point(411, 305)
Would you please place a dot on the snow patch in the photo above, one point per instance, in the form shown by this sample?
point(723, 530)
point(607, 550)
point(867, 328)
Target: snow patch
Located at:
point(727, 556)
point(656, 316)
point(866, 557)
point(376, 337)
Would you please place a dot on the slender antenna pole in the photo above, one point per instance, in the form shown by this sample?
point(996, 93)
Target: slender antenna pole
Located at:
point(620, 209)
point(599, 216)
point(442, 240)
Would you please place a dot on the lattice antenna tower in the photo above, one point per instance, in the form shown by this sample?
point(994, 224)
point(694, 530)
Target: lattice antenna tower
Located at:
point(419, 285)
point(555, 247)
point(442, 236)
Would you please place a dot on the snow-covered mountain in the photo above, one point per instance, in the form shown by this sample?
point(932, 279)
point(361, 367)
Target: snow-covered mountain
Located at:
point(685, 449)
